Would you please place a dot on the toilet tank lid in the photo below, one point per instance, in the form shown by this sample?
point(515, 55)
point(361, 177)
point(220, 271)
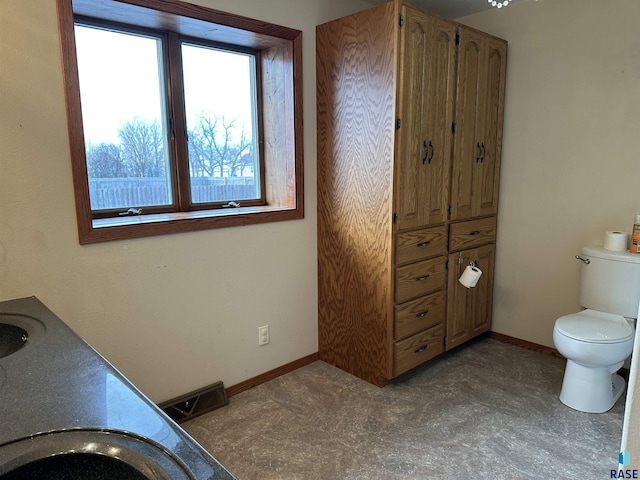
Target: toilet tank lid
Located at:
point(594, 326)
point(601, 252)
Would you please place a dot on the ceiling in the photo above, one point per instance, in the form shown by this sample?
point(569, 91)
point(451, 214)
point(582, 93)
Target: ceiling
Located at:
point(448, 8)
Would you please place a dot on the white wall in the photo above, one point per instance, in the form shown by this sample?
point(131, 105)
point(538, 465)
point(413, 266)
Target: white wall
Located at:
point(175, 312)
point(570, 157)
point(570, 165)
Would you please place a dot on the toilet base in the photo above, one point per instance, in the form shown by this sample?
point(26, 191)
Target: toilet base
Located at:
point(590, 389)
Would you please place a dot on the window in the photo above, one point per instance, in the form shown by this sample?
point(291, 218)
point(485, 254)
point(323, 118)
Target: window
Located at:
point(172, 129)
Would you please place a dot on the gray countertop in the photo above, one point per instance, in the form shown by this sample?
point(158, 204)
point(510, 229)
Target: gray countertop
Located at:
point(58, 382)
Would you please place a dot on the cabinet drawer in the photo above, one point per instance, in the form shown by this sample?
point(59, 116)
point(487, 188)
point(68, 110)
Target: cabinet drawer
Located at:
point(420, 244)
point(417, 349)
point(420, 278)
point(472, 234)
point(412, 317)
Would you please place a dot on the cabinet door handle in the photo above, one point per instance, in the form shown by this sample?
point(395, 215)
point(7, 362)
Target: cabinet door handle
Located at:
point(433, 150)
point(422, 314)
point(484, 151)
point(426, 151)
point(423, 278)
point(421, 349)
point(479, 152)
point(474, 232)
point(424, 244)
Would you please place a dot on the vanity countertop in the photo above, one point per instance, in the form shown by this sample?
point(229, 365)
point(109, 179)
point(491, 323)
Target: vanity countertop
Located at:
point(58, 382)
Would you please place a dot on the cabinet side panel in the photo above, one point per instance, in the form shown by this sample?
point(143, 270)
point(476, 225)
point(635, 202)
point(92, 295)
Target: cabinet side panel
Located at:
point(356, 82)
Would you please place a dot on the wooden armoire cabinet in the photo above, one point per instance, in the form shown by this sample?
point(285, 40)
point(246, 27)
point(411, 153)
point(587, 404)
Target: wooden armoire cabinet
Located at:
point(404, 200)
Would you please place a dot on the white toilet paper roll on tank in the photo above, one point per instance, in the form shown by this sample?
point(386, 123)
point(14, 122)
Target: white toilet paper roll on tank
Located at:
point(470, 276)
point(616, 241)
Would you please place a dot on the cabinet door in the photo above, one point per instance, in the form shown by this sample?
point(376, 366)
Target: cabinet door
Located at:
point(425, 111)
point(478, 117)
point(482, 293)
point(466, 147)
point(487, 173)
point(439, 119)
point(469, 309)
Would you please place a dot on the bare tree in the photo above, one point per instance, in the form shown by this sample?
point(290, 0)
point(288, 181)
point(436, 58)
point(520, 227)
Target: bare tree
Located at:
point(142, 148)
point(203, 151)
point(213, 148)
point(104, 161)
point(240, 155)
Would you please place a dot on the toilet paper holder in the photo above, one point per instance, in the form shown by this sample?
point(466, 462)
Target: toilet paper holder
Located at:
point(469, 278)
point(472, 263)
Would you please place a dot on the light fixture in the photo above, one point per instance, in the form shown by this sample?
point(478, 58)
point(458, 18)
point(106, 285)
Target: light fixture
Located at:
point(494, 3)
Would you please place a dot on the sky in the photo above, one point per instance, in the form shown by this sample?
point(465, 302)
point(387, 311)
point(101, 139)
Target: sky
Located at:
point(119, 79)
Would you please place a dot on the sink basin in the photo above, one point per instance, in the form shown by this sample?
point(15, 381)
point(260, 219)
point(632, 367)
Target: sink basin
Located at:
point(75, 465)
point(17, 331)
point(12, 339)
point(92, 454)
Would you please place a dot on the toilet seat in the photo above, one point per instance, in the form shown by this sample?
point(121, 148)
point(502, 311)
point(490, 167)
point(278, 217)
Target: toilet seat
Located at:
point(594, 327)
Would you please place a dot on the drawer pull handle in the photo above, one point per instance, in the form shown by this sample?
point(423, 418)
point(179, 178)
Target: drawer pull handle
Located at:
point(422, 314)
point(423, 244)
point(421, 349)
point(475, 232)
point(423, 278)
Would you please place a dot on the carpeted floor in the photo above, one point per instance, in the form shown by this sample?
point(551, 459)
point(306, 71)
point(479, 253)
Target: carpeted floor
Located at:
point(487, 410)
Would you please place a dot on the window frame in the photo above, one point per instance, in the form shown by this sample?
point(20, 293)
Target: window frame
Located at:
point(182, 39)
point(278, 60)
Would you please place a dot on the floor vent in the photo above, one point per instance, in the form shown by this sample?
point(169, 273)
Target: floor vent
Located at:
point(196, 403)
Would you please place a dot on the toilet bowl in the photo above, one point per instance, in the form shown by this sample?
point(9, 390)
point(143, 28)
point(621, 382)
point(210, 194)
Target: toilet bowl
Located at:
point(595, 345)
point(597, 340)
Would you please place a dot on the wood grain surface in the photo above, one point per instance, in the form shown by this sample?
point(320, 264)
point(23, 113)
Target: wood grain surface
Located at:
point(356, 81)
point(420, 244)
point(420, 278)
point(472, 233)
point(420, 314)
point(418, 349)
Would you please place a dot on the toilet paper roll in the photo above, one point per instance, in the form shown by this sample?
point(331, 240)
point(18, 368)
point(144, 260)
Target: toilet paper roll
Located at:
point(470, 276)
point(616, 241)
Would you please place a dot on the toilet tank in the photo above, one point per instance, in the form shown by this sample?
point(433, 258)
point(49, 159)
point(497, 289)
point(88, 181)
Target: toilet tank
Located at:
point(610, 282)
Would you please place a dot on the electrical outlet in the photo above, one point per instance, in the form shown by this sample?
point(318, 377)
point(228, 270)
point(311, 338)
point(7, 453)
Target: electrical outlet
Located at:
point(263, 335)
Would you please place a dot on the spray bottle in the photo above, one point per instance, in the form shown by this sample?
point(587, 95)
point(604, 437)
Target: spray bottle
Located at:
point(634, 245)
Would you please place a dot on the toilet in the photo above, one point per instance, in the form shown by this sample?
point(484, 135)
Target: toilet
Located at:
point(597, 340)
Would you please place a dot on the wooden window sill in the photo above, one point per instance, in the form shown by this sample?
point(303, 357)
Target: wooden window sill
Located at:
point(106, 229)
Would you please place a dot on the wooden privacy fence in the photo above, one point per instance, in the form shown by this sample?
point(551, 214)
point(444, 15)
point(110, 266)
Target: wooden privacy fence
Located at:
point(106, 193)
